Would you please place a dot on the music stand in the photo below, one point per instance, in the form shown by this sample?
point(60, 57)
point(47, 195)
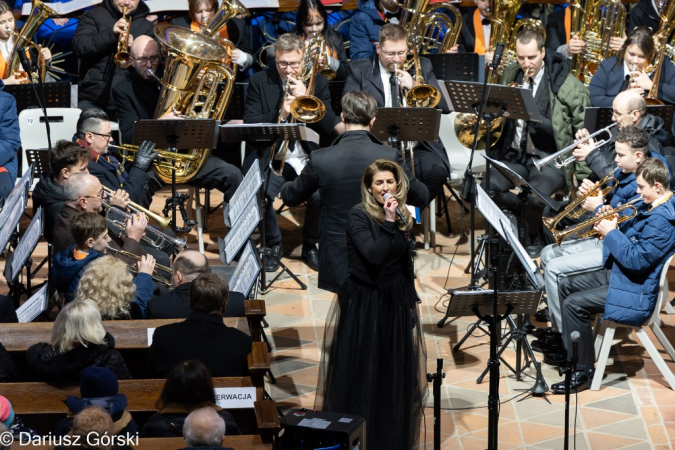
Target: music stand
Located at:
point(57, 95)
point(457, 66)
point(261, 136)
point(597, 118)
point(177, 134)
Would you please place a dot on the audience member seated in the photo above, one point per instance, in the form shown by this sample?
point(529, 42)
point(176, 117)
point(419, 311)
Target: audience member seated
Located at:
point(8, 372)
point(204, 429)
point(90, 231)
point(95, 44)
point(84, 192)
point(118, 294)
point(203, 336)
point(188, 387)
point(12, 422)
point(65, 159)
point(92, 428)
point(99, 387)
point(175, 304)
point(7, 43)
point(78, 341)
point(7, 310)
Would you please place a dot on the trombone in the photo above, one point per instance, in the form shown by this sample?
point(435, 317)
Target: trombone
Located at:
point(162, 221)
point(557, 156)
point(123, 57)
point(156, 277)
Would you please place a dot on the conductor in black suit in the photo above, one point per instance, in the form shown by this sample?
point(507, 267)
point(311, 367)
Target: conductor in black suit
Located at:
point(335, 172)
point(187, 266)
point(203, 335)
point(265, 103)
point(375, 76)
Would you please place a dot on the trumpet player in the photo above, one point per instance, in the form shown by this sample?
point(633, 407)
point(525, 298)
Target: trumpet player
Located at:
point(7, 42)
point(95, 43)
point(382, 77)
point(269, 98)
point(561, 100)
point(635, 255)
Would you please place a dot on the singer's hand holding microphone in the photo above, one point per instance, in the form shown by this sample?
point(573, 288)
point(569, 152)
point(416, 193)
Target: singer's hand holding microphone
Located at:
point(390, 207)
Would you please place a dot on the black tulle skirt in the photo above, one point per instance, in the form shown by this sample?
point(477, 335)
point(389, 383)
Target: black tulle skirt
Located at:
point(374, 361)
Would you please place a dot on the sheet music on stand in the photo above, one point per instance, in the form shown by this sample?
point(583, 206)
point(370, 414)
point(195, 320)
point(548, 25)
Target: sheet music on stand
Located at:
point(20, 188)
point(34, 306)
point(457, 66)
point(183, 134)
point(261, 132)
point(240, 232)
point(407, 124)
point(246, 272)
point(465, 97)
point(57, 95)
point(27, 244)
point(462, 303)
point(14, 209)
point(508, 231)
point(242, 196)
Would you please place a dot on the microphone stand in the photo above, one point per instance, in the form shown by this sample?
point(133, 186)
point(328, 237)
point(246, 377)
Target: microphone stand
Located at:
point(568, 370)
point(29, 67)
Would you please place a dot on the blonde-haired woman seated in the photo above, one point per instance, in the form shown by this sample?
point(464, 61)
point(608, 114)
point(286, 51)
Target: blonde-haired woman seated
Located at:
point(119, 295)
point(78, 341)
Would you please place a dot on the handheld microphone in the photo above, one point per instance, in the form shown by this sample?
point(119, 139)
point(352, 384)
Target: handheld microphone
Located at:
point(25, 62)
point(575, 346)
point(398, 211)
point(497, 58)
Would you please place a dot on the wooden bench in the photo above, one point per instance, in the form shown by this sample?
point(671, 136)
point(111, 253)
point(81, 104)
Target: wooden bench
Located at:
point(131, 339)
point(32, 400)
point(245, 442)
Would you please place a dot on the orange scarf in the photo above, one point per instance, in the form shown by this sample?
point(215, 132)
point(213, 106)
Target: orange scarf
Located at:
point(194, 26)
point(480, 38)
point(4, 67)
point(568, 24)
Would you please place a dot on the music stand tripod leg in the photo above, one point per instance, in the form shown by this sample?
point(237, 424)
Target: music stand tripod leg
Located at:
point(477, 324)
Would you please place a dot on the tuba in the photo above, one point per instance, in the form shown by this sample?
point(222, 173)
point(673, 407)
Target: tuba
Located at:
point(186, 55)
point(38, 14)
point(427, 24)
point(225, 13)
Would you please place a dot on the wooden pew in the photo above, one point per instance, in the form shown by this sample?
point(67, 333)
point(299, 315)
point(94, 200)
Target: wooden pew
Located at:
point(245, 442)
point(46, 399)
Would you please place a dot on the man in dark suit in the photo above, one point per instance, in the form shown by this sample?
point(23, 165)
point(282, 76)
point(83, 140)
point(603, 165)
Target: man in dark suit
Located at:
point(203, 335)
point(474, 36)
point(559, 37)
point(187, 266)
point(265, 103)
point(335, 172)
point(376, 77)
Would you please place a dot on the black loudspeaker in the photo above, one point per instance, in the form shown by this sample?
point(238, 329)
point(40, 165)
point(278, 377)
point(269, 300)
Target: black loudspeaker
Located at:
point(305, 429)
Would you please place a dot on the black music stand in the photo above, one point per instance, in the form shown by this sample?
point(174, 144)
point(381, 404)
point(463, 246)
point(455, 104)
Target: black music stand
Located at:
point(597, 118)
point(57, 95)
point(457, 66)
point(336, 88)
point(261, 136)
point(177, 134)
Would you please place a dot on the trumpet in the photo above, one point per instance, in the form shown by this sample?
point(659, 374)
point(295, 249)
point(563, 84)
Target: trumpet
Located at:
point(156, 277)
point(571, 209)
point(162, 221)
point(322, 54)
point(123, 57)
point(557, 156)
point(559, 236)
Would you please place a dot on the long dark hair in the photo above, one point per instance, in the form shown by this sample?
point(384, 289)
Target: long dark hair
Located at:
point(302, 17)
point(642, 37)
point(188, 384)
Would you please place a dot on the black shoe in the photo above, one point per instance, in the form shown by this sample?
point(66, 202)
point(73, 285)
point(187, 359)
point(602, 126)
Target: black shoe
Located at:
point(543, 333)
point(556, 358)
point(548, 346)
point(271, 264)
point(580, 381)
point(534, 249)
point(311, 256)
point(542, 315)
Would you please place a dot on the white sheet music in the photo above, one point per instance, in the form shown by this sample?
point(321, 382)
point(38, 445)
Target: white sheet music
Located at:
point(14, 211)
point(244, 193)
point(34, 306)
point(246, 272)
point(27, 243)
point(20, 188)
point(241, 230)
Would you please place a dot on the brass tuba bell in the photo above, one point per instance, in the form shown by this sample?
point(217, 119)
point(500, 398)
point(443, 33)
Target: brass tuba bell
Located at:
point(38, 14)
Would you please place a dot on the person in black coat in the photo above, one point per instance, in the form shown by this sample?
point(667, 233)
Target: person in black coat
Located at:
point(377, 348)
point(95, 44)
point(188, 387)
point(175, 304)
point(335, 172)
point(65, 159)
point(469, 40)
point(265, 103)
point(559, 38)
point(432, 166)
point(203, 336)
point(8, 371)
point(643, 14)
point(78, 341)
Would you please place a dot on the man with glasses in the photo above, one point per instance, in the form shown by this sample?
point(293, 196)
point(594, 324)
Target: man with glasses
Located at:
point(267, 102)
point(375, 76)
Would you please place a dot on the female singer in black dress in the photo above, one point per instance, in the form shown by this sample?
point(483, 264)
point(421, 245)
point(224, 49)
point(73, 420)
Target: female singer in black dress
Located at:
point(373, 366)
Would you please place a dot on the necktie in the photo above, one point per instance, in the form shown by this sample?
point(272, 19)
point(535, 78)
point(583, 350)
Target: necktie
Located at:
point(625, 84)
point(523, 133)
point(485, 21)
point(394, 90)
point(390, 16)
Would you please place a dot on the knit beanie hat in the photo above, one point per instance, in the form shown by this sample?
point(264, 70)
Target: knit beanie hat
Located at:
point(98, 382)
point(6, 412)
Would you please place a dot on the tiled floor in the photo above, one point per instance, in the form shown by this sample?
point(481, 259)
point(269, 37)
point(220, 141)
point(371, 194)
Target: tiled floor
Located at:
point(634, 409)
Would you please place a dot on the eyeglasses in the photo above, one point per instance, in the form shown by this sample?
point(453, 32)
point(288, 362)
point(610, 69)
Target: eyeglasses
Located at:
point(292, 65)
point(100, 194)
point(144, 60)
point(618, 114)
point(393, 54)
point(107, 136)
